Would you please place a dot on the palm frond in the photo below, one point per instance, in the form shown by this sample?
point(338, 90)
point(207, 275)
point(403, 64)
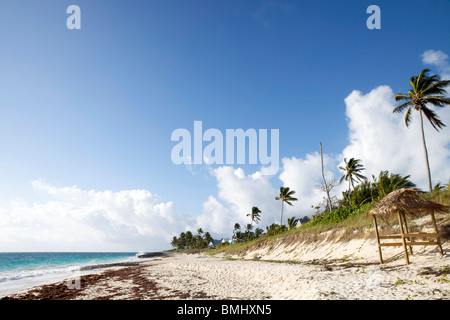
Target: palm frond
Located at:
point(400, 96)
point(408, 117)
point(433, 118)
point(421, 79)
point(438, 87)
point(412, 82)
point(437, 101)
point(400, 108)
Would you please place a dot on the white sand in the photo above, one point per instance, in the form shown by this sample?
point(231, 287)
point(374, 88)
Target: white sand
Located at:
point(197, 276)
point(238, 279)
point(221, 278)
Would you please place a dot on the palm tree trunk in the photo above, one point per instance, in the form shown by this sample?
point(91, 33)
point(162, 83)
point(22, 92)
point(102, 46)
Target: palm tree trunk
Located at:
point(349, 189)
point(426, 152)
point(281, 221)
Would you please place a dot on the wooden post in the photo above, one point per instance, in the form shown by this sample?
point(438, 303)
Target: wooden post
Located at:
point(403, 238)
point(438, 238)
point(378, 238)
point(407, 231)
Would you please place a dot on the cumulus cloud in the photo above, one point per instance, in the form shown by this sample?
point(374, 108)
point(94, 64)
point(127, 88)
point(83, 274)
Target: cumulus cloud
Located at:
point(383, 142)
point(376, 136)
point(238, 192)
point(438, 59)
point(303, 175)
point(241, 192)
point(77, 219)
point(215, 218)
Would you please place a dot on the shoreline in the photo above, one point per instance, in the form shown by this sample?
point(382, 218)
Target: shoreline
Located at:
point(61, 273)
point(200, 277)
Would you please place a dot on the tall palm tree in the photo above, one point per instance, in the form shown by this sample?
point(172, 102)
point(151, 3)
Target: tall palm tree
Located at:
point(255, 215)
point(285, 196)
point(352, 173)
point(425, 90)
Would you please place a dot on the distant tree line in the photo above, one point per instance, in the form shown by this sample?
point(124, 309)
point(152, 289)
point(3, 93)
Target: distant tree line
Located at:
point(187, 240)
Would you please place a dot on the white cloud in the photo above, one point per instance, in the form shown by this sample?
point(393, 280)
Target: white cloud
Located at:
point(215, 218)
point(241, 192)
point(89, 221)
point(382, 141)
point(435, 57)
point(438, 59)
point(302, 175)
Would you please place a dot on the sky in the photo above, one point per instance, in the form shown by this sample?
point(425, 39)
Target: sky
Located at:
point(87, 115)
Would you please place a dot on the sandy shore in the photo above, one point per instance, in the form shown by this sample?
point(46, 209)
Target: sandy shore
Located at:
point(184, 276)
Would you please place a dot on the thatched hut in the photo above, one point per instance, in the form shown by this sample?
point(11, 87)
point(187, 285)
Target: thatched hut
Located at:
point(406, 202)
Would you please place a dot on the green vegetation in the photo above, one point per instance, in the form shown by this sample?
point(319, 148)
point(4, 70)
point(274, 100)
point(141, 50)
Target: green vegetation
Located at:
point(376, 190)
point(349, 216)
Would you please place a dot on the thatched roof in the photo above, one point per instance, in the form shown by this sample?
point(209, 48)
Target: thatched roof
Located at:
point(406, 201)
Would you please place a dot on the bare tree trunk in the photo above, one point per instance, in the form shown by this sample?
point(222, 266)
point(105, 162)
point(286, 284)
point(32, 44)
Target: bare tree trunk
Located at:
point(426, 152)
point(324, 181)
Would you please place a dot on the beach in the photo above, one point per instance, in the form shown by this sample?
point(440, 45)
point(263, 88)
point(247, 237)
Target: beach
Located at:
point(203, 277)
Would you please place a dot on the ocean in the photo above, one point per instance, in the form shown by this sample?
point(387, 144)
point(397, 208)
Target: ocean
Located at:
point(23, 270)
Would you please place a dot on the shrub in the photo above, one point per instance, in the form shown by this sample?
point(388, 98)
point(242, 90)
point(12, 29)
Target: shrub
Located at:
point(334, 216)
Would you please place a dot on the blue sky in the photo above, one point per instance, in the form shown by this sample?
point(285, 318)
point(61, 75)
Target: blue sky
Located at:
point(95, 108)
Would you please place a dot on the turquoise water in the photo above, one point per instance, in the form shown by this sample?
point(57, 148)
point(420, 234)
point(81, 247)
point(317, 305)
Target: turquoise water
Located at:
point(20, 270)
point(10, 261)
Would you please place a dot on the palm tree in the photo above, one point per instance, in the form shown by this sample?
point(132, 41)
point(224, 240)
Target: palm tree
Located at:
point(258, 232)
point(352, 171)
point(239, 236)
point(424, 90)
point(292, 222)
point(255, 215)
point(388, 182)
point(285, 196)
point(174, 242)
point(237, 227)
point(248, 231)
point(189, 239)
point(181, 243)
point(208, 239)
